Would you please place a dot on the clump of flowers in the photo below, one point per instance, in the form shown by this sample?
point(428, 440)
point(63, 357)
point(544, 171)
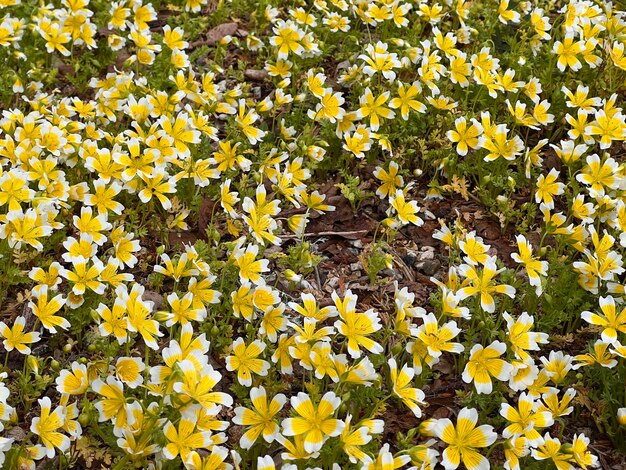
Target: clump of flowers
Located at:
point(178, 198)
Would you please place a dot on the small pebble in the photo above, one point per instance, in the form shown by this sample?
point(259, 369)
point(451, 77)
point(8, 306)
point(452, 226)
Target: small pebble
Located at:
point(356, 266)
point(429, 266)
point(410, 259)
point(356, 243)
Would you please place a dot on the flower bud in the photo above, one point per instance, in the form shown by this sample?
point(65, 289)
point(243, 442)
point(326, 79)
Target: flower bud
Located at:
point(33, 364)
point(95, 316)
point(83, 419)
point(511, 182)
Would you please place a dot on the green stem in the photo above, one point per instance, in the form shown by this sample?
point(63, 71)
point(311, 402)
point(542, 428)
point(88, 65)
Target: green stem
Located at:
point(147, 370)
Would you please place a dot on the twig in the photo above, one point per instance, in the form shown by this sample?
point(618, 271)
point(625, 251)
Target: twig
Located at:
point(326, 234)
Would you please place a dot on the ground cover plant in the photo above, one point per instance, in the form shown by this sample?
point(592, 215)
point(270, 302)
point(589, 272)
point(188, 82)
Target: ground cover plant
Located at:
point(312, 234)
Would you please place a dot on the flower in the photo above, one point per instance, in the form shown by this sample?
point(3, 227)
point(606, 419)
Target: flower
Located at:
point(158, 184)
point(329, 107)
point(139, 315)
point(352, 438)
point(378, 59)
point(45, 309)
point(250, 268)
point(55, 39)
point(246, 120)
point(113, 406)
point(323, 361)
point(310, 308)
point(484, 363)
point(89, 225)
point(406, 102)
point(391, 180)
point(16, 338)
point(356, 326)
point(609, 319)
point(567, 52)
point(183, 310)
point(526, 420)
point(464, 136)
point(411, 397)
point(244, 360)
point(385, 460)
point(46, 426)
point(600, 355)
point(405, 211)
point(259, 418)
point(541, 115)
point(180, 130)
point(463, 439)
point(197, 384)
point(374, 108)
point(287, 39)
point(282, 355)
point(520, 337)
point(460, 69)
point(128, 370)
point(547, 187)
point(475, 250)
point(437, 339)
point(505, 15)
point(74, 382)
point(273, 320)
point(553, 449)
point(557, 365)
point(102, 199)
point(582, 456)
point(295, 449)
point(213, 461)
point(599, 175)
point(184, 438)
point(499, 145)
point(483, 283)
point(555, 406)
point(14, 189)
point(114, 321)
point(313, 422)
point(25, 227)
point(515, 447)
point(358, 143)
point(83, 276)
point(534, 266)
